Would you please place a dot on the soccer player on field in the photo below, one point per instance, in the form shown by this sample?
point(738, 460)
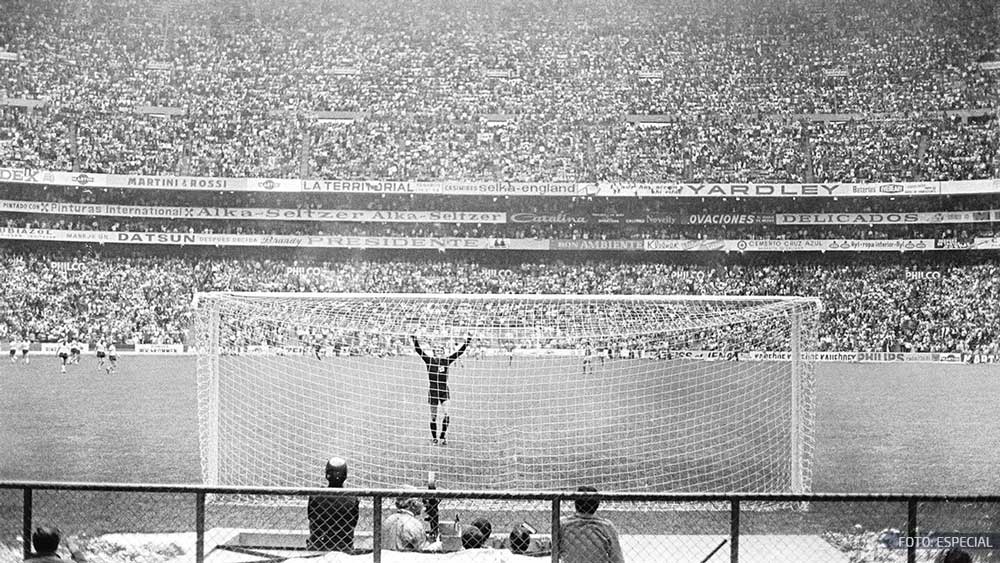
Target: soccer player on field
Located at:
point(63, 354)
point(25, 346)
point(101, 353)
point(438, 394)
point(509, 347)
point(74, 351)
point(13, 350)
point(317, 346)
point(112, 358)
point(589, 354)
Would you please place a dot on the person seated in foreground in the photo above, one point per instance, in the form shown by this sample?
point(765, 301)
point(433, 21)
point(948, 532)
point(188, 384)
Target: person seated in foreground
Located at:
point(953, 555)
point(472, 538)
point(45, 542)
point(332, 519)
point(586, 537)
point(403, 530)
point(519, 540)
point(484, 526)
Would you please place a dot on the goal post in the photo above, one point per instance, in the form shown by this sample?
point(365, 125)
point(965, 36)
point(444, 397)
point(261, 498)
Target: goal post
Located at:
point(624, 392)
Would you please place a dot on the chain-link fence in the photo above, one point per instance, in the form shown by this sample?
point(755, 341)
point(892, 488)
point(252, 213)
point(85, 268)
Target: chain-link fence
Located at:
point(136, 523)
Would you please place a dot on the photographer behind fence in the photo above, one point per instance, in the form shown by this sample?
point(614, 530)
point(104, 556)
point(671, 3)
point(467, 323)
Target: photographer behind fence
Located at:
point(45, 542)
point(403, 530)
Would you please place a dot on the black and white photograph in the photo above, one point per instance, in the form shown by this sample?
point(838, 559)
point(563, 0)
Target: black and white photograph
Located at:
point(500, 281)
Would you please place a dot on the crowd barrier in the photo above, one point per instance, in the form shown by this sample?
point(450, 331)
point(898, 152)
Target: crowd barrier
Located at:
point(200, 523)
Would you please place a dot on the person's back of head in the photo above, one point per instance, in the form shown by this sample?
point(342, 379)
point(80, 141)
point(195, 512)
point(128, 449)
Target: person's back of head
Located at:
point(519, 540)
point(45, 539)
point(472, 538)
point(484, 526)
point(954, 556)
point(587, 505)
point(336, 471)
point(410, 504)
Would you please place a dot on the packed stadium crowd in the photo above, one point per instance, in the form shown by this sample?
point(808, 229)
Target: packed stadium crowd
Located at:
point(869, 305)
point(584, 91)
point(441, 89)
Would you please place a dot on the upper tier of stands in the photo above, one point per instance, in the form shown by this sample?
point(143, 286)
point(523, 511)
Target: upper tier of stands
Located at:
point(511, 90)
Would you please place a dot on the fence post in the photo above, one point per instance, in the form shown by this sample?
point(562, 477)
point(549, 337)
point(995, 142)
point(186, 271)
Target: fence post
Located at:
point(911, 530)
point(199, 527)
point(377, 529)
point(26, 521)
point(734, 530)
point(555, 529)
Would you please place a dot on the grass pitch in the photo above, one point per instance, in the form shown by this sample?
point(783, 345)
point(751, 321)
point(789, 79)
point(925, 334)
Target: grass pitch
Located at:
point(879, 428)
point(919, 428)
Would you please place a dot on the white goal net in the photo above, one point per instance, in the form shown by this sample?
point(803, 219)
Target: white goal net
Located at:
point(627, 393)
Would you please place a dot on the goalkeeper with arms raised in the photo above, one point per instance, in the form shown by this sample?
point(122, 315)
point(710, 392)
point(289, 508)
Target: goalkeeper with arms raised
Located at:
point(438, 395)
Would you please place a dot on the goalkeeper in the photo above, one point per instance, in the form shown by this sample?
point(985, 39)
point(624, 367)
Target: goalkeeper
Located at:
point(438, 395)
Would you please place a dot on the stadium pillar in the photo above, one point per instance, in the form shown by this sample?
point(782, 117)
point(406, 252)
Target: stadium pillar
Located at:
point(26, 522)
point(734, 531)
point(199, 527)
point(911, 530)
point(377, 529)
point(555, 529)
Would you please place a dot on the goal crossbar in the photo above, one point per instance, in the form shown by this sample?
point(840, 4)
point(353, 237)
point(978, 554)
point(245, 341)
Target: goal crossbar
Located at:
point(528, 297)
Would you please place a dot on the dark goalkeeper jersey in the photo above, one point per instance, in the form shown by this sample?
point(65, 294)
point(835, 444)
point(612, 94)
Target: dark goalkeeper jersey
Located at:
point(437, 369)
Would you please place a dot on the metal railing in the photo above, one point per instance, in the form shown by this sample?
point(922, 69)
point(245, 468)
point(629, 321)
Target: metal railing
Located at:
point(652, 526)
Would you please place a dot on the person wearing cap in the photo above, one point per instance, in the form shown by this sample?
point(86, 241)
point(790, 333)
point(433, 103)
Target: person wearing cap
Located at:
point(45, 542)
point(332, 519)
point(403, 530)
point(585, 537)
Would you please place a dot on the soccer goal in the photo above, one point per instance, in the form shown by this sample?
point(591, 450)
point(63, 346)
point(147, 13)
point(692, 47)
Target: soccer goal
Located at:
point(627, 393)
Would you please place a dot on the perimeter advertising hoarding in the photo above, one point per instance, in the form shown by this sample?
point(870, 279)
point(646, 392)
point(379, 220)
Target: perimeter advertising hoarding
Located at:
point(499, 188)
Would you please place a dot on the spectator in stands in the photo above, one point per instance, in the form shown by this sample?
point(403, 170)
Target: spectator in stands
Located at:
point(332, 519)
point(403, 530)
point(254, 115)
point(585, 537)
point(912, 303)
point(45, 542)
